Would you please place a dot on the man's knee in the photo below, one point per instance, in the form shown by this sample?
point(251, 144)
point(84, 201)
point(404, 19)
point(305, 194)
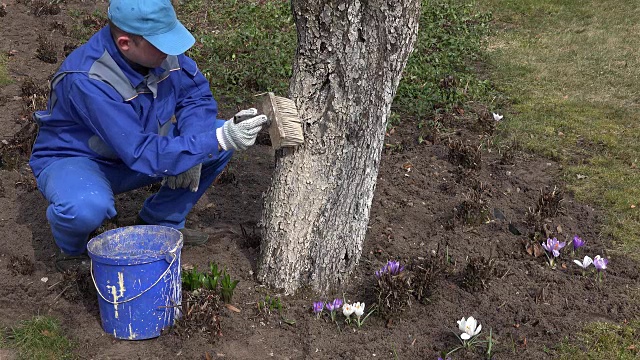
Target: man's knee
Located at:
point(83, 214)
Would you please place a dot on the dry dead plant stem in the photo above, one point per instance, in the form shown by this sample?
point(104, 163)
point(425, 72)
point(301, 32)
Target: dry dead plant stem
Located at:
point(53, 285)
point(60, 294)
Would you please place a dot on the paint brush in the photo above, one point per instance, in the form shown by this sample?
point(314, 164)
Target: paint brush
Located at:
point(285, 126)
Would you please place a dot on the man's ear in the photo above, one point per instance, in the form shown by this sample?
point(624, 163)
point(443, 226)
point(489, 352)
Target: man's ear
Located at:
point(124, 42)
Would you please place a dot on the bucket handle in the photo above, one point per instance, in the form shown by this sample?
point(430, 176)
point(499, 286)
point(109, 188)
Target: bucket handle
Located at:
point(171, 253)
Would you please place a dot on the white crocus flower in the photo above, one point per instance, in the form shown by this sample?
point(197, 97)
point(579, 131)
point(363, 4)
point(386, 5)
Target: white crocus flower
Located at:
point(497, 117)
point(358, 308)
point(469, 328)
point(347, 310)
point(584, 263)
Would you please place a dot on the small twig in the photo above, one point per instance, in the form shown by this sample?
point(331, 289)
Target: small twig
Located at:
point(52, 285)
point(505, 274)
point(168, 307)
point(62, 292)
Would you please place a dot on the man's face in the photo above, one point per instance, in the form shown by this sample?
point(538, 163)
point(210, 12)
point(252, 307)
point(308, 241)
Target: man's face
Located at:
point(140, 51)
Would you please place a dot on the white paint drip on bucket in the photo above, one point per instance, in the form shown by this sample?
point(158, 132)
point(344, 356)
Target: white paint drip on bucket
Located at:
point(150, 291)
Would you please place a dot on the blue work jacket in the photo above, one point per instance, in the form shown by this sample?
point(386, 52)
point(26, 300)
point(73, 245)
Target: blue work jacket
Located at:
point(101, 108)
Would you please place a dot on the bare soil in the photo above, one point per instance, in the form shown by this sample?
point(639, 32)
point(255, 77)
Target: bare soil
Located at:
point(478, 210)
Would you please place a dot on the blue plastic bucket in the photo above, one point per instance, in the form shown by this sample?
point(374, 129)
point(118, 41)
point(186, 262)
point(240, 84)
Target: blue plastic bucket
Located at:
point(136, 271)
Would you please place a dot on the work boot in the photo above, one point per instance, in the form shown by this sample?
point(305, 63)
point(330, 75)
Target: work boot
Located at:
point(194, 237)
point(73, 263)
point(190, 237)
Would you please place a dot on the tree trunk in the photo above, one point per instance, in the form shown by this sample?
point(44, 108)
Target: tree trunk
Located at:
point(348, 65)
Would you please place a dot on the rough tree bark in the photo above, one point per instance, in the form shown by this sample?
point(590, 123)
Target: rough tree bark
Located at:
point(348, 64)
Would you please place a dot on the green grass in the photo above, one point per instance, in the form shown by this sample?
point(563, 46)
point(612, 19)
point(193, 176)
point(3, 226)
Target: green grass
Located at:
point(449, 43)
point(247, 47)
point(38, 338)
point(242, 47)
point(603, 341)
point(4, 74)
point(570, 70)
point(85, 24)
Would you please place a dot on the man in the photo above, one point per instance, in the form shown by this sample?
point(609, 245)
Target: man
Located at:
point(108, 129)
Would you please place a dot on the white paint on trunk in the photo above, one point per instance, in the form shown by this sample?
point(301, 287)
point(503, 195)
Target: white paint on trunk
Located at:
point(348, 65)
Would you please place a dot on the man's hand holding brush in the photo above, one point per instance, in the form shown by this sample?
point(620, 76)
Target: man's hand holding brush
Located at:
point(240, 132)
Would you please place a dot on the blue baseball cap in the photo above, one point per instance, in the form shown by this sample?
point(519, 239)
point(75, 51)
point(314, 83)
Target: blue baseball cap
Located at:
point(154, 20)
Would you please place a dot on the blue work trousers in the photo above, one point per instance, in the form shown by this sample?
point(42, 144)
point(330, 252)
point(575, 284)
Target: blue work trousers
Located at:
point(81, 193)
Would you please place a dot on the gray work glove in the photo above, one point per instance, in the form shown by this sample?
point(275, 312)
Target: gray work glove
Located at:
point(188, 179)
point(240, 132)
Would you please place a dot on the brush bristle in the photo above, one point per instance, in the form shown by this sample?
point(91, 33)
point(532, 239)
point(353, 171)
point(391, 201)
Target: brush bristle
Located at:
point(289, 121)
point(285, 129)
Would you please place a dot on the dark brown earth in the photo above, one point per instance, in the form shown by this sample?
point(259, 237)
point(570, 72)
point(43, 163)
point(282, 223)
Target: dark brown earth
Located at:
point(441, 197)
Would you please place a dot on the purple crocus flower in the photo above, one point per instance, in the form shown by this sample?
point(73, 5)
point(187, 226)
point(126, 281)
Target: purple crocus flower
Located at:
point(334, 305)
point(391, 267)
point(553, 246)
point(317, 307)
point(337, 303)
point(394, 267)
point(577, 242)
point(600, 263)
